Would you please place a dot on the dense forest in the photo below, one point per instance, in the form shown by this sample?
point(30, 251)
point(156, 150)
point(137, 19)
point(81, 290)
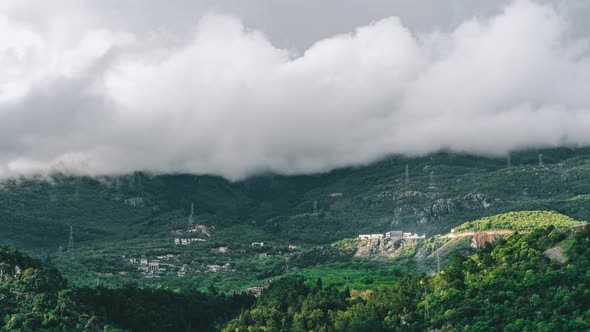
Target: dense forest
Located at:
point(510, 285)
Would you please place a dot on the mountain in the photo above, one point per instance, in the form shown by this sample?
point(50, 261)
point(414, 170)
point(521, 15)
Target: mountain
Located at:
point(117, 221)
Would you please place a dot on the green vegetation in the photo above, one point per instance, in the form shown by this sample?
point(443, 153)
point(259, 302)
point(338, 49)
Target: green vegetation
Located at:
point(520, 221)
point(37, 298)
point(509, 286)
point(139, 215)
point(309, 225)
point(359, 274)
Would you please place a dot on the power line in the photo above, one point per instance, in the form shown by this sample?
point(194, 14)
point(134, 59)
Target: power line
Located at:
point(71, 242)
point(191, 217)
point(407, 174)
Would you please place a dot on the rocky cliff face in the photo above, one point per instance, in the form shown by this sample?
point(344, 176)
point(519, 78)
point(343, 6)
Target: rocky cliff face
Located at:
point(480, 239)
point(445, 206)
point(425, 207)
point(385, 247)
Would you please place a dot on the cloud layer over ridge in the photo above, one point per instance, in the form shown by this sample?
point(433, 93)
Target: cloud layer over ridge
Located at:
point(77, 94)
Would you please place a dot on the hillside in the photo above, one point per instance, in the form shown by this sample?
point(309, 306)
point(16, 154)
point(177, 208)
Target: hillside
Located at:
point(34, 297)
point(121, 218)
point(509, 286)
point(520, 221)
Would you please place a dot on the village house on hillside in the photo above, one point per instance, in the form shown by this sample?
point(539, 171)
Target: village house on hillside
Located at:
point(256, 290)
point(370, 236)
point(392, 235)
point(188, 241)
point(221, 268)
point(395, 234)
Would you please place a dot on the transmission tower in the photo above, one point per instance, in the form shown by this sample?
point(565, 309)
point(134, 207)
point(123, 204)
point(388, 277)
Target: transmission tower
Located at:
point(77, 190)
point(508, 161)
point(541, 160)
point(437, 262)
point(315, 207)
point(191, 216)
point(71, 242)
point(426, 311)
point(407, 174)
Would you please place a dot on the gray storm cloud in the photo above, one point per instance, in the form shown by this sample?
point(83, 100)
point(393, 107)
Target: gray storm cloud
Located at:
point(76, 95)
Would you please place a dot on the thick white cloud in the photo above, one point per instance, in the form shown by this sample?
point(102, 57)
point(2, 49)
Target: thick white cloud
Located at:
point(222, 99)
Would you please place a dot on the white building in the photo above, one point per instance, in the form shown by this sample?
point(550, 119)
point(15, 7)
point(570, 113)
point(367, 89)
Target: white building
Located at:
point(154, 266)
point(394, 234)
point(370, 236)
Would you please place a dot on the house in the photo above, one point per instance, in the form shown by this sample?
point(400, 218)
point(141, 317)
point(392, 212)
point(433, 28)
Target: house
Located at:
point(257, 244)
point(262, 254)
point(182, 271)
point(199, 229)
point(219, 268)
point(292, 246)
point(133, 261)
point(177, 241)
point(256, 290)
point(335, 194)
point(153, 266)
point(394, 234)
point(222, 249)
point(143, 261)
point(370, 236)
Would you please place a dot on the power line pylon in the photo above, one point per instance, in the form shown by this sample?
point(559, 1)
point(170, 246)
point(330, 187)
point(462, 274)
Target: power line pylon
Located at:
point(71, 242)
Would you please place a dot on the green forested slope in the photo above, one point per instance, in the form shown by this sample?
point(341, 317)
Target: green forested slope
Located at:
point(36, 213)
point(506, 286)
point(115, 218)
point(36, 298)
point(520, 221)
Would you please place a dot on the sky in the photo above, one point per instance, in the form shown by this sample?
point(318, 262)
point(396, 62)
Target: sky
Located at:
point(238, 88)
